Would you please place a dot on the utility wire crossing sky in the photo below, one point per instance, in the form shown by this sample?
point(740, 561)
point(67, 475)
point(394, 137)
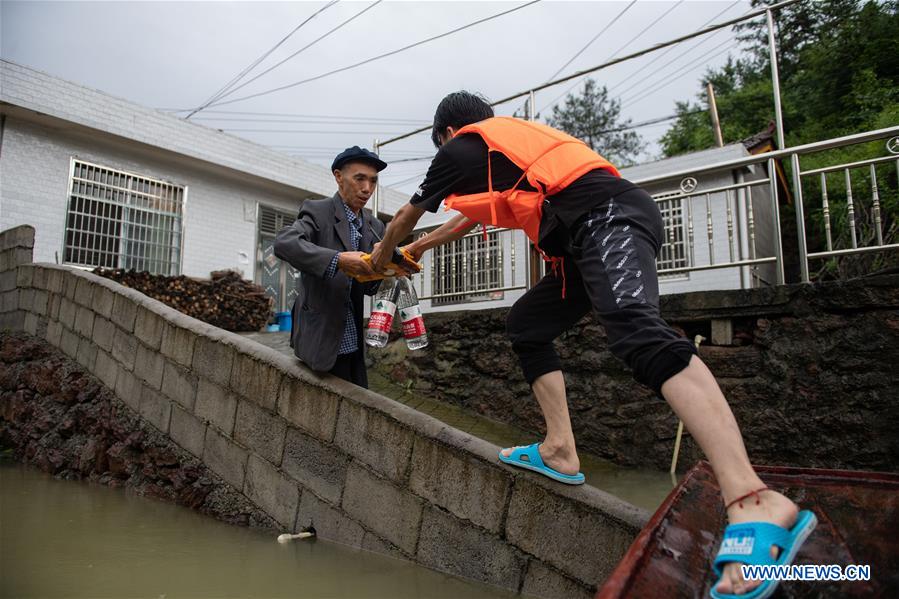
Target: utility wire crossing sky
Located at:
point(313, 78)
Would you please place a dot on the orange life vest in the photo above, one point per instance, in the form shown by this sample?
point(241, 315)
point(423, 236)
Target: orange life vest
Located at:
point(551, 160)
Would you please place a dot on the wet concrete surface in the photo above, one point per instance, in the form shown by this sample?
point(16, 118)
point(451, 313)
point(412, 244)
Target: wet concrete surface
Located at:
point(641, 487)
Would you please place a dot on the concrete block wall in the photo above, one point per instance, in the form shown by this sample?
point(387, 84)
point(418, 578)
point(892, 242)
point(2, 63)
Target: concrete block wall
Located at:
point(369, 472)
point(16, 249)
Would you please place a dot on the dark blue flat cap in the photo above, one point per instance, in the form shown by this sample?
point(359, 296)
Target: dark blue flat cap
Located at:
point(357, 154)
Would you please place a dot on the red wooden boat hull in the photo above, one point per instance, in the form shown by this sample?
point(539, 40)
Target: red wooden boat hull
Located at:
point(858, 523)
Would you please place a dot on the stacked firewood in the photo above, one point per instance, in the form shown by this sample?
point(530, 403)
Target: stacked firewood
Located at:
point(225, 300)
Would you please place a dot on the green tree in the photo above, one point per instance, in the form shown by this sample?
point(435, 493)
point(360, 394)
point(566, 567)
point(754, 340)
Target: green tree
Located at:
point(596, 119)
point(839, 74)
point(743, 99)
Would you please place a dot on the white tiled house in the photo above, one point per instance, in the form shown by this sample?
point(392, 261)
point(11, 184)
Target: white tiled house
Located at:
point(107, 182)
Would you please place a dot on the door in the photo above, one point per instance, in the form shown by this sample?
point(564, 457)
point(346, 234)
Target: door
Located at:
point(276, 277)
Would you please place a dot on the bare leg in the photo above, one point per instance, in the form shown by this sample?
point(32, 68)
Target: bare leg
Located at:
point(695, 397)
point(558, 450)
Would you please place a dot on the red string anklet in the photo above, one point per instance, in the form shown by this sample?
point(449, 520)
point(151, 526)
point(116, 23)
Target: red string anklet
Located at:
point(739, 500)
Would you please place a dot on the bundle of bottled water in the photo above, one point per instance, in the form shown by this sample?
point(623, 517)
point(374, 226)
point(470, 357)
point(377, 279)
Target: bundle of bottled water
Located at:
point(396, 293)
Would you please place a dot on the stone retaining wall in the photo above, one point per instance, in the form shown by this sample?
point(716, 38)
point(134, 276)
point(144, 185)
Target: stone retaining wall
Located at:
point(64, 421)
point(369, 472)
point(809, 370)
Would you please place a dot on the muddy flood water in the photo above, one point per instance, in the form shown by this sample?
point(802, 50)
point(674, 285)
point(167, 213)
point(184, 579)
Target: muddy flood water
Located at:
point(74, 539)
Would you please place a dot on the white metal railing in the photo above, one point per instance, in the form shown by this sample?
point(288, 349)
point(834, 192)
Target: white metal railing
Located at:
point(748, 234)
point(475, 269)
point(864, 218)
point(743, 252)
point(736, 205)
point(467, 268)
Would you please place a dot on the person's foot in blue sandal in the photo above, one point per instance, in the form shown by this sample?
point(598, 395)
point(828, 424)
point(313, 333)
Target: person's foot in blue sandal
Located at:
point(529, 457)
point(764, 529)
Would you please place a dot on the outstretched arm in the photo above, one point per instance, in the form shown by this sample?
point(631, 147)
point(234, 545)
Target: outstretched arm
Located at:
point(453, 229)
point(398, 229)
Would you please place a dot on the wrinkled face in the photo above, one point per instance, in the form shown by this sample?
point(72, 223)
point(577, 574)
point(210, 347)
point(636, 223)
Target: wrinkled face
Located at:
point(356, 182)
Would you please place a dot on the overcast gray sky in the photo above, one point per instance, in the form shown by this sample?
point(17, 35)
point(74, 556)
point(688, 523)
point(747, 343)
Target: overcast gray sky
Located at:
point(175, 55)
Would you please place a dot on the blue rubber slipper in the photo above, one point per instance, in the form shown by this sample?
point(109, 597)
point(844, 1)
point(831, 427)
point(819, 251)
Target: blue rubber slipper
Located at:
point(750, 543)
point(529, 457)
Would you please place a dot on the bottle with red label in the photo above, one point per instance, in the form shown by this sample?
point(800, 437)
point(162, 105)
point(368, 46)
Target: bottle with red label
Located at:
point(382, 309)
point(410, 312)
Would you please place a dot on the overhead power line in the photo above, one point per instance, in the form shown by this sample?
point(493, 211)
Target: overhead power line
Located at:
point(325, 152)
point(415, 159)
point(655, 121)
point(240, 75)
point(615, 53)
point(337, 149)
point(407, 180)
point(378, 57)
point(403, 157)
point(307, 121)
point(381, 132)
point(645, 29)
point(294, 115)
point(628, 127)
point(701, 61)
point(671, 48)
point(307, 46)
point(595, 37)
point(610, 63)
point(590, 43)
point(664, 67)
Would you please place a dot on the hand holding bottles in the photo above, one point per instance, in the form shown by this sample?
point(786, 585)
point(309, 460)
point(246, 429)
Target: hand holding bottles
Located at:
point(393, 293)
point(410, 312)
point(402, 264)
point(354, 264)
point(383, 307)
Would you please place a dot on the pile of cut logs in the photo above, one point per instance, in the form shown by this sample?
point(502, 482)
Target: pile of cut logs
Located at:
point(225, 300)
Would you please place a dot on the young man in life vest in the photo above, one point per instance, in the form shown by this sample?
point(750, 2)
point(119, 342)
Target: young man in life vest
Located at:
point(603, 234)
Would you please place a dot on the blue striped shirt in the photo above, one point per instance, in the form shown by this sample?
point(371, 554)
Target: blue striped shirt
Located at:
point(350, 340)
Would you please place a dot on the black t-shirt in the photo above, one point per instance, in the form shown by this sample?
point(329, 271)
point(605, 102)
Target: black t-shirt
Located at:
point(460, 167)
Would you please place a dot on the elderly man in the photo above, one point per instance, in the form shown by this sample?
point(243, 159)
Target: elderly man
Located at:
point(326, 244)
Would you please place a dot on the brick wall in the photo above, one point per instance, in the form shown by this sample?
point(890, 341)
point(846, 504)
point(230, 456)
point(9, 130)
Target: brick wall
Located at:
point(369, 472)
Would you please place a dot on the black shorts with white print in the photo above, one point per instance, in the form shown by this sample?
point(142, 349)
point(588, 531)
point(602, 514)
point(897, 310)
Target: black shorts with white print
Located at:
point(609, 267)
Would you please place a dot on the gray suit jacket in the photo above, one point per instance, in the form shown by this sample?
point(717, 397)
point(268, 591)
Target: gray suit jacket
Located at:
point(321, 231)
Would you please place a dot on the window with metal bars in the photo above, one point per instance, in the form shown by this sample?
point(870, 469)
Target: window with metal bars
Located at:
point(674, 253)
point(117, 219)
point(466, 270)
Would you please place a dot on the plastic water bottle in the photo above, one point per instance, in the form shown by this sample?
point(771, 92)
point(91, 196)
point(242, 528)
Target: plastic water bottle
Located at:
point(383, 307)
point(410, 312)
